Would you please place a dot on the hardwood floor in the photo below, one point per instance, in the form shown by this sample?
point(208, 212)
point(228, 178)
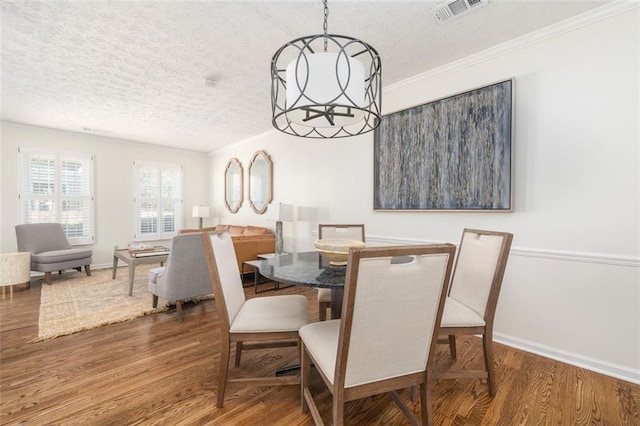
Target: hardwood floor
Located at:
point(154, 370)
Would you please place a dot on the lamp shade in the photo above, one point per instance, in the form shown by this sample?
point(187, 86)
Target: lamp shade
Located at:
point(329, 79)
point(280, 212)
point(200, 211)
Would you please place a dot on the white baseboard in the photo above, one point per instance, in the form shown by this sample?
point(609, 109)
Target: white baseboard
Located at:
point(599, 366)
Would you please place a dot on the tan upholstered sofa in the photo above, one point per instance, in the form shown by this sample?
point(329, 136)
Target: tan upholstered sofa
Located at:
point(248, 241)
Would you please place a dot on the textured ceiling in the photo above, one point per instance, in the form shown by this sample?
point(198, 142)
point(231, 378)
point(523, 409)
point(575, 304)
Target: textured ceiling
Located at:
point(134, 69)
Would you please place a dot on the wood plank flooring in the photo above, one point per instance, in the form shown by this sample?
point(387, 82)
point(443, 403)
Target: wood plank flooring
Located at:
point(154, 370)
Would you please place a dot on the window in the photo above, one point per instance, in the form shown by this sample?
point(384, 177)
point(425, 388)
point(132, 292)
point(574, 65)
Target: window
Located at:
point(158, 200)
point(57, 186)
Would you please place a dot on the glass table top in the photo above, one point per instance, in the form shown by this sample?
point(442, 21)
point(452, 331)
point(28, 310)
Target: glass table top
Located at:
point(307, 268)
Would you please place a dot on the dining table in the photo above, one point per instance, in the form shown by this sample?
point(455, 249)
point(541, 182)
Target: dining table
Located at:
point(308, 269)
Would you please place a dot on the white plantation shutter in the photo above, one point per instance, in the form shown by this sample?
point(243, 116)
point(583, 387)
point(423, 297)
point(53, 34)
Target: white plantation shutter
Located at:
point(158, 200)
point(76, 196)
point(58, 187)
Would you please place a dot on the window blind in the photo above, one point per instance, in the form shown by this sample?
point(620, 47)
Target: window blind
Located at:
point(157, 200)
point(57, 186)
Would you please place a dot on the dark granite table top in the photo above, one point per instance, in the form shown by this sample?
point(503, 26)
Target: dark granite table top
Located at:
point(308, 269)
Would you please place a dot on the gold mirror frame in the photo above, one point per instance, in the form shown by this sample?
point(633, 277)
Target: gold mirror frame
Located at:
point(260, 182)
point(233, 185)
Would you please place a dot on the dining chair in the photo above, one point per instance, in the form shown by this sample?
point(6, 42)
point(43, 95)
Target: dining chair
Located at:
point(385, 341)
point(352, 232)
point(473, 296)
point(263, 322)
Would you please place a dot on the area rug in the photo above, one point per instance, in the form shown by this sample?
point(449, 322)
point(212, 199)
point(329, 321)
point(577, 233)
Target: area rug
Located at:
point(77, 302)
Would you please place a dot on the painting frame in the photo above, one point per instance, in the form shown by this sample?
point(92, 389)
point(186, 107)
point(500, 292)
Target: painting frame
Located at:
point(451, 154)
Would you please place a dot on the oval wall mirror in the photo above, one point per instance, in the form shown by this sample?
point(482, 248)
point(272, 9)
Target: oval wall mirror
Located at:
point(233, 195)
point(260, 182)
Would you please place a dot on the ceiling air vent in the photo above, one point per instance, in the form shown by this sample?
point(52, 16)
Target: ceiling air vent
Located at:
point(452, 9)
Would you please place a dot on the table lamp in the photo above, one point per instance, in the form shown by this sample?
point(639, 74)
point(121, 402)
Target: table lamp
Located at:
point(280, 212)
point(200, 212)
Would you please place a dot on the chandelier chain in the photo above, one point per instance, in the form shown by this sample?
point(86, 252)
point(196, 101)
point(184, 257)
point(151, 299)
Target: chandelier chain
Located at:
point(325, 26)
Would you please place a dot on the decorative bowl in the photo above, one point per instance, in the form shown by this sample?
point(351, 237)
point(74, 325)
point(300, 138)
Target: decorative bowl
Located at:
point(336, 249)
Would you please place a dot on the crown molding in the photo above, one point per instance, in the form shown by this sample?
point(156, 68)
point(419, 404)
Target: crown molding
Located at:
point(571, 24)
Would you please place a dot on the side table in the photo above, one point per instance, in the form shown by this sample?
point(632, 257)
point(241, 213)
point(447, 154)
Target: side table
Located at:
point(132, 261)
point(15, 268)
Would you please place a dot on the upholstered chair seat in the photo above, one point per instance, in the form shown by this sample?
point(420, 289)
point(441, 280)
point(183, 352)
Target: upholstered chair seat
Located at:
point(321, 339)
point(457, 314)
point(52, 259)
point(257, 314)
point(324, 295)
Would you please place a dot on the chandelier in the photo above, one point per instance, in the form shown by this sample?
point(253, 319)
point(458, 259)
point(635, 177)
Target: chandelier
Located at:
point(326, 86)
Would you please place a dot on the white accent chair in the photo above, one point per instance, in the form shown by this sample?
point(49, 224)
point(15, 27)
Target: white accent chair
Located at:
point(385, 341)
point(473, 296)
point(265, 321)
point(352, 232)
point(185, 276)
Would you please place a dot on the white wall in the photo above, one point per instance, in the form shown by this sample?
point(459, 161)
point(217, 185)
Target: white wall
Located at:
point(113, 160)
point(572, 287)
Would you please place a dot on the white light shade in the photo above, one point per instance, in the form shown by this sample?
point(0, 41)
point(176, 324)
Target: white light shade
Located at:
point(280, 212)
point(325, 80)
point(200, 211)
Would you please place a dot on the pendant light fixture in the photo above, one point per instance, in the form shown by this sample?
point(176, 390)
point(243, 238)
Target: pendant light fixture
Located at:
point(326, 86)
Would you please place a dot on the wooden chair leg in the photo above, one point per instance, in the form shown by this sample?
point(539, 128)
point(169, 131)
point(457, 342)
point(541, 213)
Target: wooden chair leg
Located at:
point(179, 310)
point(305, 376)
point(413, 393)
point(47, 278)
point(154, 303)
point(322, 310)
point(425, 403)
point(487, 343)
point(452, 346)
point(87, 269)
point(222, 373)
point(238, 354)
point(338, 408)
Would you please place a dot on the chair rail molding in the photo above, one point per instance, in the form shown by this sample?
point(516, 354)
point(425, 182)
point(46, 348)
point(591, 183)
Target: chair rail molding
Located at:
point(563, 255)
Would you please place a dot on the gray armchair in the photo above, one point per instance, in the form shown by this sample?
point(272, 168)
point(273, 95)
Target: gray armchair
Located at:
point(185, 275)
point(50, 250)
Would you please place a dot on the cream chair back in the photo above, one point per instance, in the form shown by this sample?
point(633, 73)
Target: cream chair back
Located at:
point(478, 267)
point(350, 232)
point(395, 297)
point(228, 276)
